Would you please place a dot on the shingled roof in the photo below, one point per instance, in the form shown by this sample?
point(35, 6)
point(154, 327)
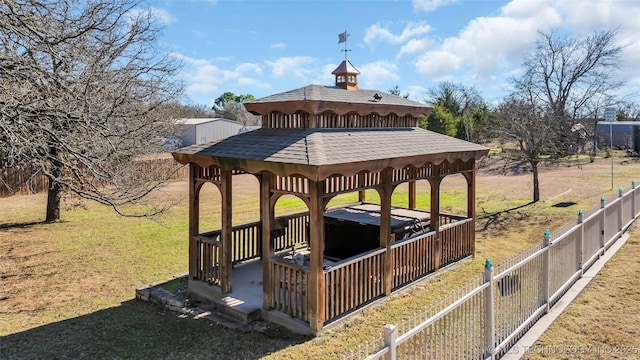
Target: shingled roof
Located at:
point(316, 99)
point(320, 152)
point(346, 67)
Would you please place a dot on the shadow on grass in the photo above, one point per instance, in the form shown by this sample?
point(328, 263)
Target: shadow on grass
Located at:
point(21, 225)
point(493, 218)
point(137, 330)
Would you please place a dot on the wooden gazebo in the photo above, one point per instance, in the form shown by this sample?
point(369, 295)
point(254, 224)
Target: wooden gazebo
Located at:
point(315, 143)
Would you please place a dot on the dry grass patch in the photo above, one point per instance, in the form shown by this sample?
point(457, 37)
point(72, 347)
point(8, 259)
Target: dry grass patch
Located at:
point(602, 323)
point(67, 288)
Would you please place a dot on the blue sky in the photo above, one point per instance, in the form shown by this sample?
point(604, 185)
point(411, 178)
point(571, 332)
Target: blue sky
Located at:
point(266, 47)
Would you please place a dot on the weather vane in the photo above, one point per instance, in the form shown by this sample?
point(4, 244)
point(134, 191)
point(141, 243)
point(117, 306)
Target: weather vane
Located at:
point(342, 38)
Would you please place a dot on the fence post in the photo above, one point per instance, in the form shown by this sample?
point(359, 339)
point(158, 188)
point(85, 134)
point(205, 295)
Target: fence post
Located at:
point(602, 225)
point(620, 214)
point(490, 336)
point(633, 199)
point(580, 243)
point(390, 336)
point(546, 269)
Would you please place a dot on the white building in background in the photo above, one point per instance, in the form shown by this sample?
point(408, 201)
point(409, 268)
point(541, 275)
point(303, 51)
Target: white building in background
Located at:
point(200, 131)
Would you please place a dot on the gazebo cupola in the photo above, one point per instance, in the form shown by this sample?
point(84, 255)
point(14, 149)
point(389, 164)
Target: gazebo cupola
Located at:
point(346, 76)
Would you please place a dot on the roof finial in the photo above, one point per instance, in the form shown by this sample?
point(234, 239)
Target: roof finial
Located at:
point(342, 38)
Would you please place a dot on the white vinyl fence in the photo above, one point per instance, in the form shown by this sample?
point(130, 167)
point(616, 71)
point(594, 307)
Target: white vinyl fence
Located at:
point(486, 317)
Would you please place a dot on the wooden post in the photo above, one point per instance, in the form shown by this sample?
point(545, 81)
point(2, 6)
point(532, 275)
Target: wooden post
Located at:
point(226, 234)
point(316, 288)
point(385, 228)
point(194, 220)
point(434, 222)
point(412, 194)
point(362, 195)
point(313, 120)
point(471, 204)
point(412, 187)
point(266, 218)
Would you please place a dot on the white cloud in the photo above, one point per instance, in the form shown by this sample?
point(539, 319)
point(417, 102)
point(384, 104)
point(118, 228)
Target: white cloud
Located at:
point(486, 43)
point(439, 64)
point(279, 46)
point(489, 49)
point(297, 66)
point(377, 32)
point(378, 73)
point(585, 17)
point(416, 92)
point(253, 83)
point(203, 76)
point(414, 46)
point(324, 75)
point(161, 15)
point(430, 5)
point(248, 68)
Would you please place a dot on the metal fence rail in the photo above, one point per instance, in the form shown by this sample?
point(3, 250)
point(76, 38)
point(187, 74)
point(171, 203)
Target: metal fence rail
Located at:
point(483, 319)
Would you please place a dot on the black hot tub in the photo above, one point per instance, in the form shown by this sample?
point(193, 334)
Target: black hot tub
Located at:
point(355, 229)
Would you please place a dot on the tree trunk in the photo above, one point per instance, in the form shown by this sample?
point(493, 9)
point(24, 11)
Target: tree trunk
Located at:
point(594, 140)
point(536, 181)
point(54, 194)
point(53, 201)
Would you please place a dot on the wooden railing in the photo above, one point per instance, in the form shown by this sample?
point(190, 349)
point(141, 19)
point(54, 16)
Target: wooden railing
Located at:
point(486, 317)
point(290, 283)
point(350, 283)
point(294, 233)
point(448, 218)
point(247, 240)
point(456, 241)
point(208, 256)
point(413, 258)
point(353, 282)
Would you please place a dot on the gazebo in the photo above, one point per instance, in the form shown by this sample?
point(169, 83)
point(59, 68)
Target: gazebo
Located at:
point(317, 142)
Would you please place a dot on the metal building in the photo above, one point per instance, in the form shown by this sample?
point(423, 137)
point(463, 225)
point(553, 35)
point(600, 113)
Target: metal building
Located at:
point(201, 131)
point(619, 135)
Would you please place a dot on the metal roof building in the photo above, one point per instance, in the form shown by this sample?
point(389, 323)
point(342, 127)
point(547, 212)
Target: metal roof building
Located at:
point(203, 130)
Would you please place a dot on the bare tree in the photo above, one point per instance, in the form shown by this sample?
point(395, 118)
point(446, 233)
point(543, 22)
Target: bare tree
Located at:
point(523, 134)
point(184, 111)
point(564, 80)
point(82, 89)
point(628, 110)
point(566, 74)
